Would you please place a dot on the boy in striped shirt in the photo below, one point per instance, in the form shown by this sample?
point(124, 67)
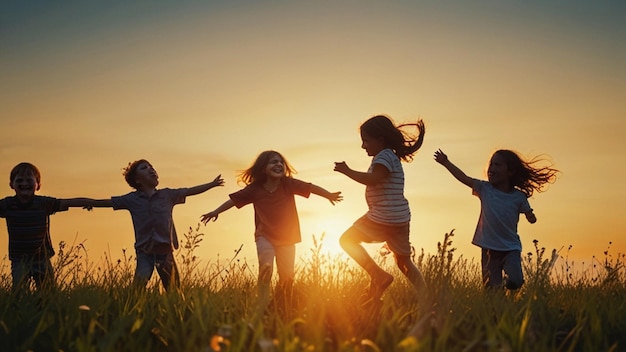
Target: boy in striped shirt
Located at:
point(28, 224)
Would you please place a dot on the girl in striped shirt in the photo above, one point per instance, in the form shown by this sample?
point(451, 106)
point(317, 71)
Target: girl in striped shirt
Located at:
point(388, 216)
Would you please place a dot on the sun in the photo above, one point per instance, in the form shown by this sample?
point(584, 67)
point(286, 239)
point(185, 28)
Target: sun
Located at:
point(324, 236)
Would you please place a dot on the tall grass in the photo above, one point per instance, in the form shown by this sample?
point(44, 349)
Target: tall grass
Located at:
point(94, 307)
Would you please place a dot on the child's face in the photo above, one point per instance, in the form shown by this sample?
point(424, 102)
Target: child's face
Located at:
point(498, 171)
point(371, 145)
point(275, 167)
point(146, 176)
point(25, 185)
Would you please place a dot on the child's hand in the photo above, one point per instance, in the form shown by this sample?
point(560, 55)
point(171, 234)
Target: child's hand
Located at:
point(441, 157)
point(218, 181)
point(530, 216)
point(342, 167)
point(208, 217)
point(335, 197)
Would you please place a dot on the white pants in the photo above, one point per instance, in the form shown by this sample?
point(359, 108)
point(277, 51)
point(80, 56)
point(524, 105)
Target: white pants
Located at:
point(285, 261)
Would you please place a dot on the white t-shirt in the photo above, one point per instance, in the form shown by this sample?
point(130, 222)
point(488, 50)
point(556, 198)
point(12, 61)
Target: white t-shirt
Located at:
point(499, 216)
point(386, 201)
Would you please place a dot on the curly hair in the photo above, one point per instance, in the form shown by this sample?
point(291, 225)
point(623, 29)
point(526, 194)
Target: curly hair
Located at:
point(130, 171)
point(403, 144)
point(256, 172)
point(528, 176)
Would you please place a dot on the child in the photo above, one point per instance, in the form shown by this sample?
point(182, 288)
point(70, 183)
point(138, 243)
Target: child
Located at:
point(28, 224)
point(151, 211)
point(271, 188)
point(388, 216)
point(511, 181)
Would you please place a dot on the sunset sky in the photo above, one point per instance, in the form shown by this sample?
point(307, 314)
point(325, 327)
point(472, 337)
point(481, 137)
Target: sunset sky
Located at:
point(200, 88)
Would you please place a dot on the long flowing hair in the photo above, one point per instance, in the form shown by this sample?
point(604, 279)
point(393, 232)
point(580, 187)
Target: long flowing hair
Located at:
point(403, 144)
point(256, 172)
point(528, 175)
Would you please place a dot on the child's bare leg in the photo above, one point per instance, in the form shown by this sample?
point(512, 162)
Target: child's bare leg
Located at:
point(350, 241)
point(285, 265)
point(412, 273)
point(415, 277)
point(266, 255)
point(265, 279)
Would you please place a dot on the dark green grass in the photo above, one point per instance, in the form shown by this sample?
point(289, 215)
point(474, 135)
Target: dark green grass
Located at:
point(95, 308)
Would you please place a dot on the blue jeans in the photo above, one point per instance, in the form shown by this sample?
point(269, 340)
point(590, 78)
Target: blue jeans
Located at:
point(165, 266)
point(494, 262)
point(40, 271)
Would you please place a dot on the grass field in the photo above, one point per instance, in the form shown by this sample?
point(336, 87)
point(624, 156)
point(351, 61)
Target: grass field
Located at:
point(94, 307)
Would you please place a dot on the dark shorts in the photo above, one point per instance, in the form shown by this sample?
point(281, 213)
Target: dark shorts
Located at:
point(495, 262)
point(22, 270)
point(396, 236)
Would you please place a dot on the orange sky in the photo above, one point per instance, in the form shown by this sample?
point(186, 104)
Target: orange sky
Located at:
point(200, 89)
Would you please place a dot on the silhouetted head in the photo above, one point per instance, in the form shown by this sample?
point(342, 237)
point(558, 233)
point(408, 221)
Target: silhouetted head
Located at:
point(25, 180)
point(258, 171)
point(517, 173)
point(141, 173)
point(381, 132)
point(381, 127)
point(25, 169)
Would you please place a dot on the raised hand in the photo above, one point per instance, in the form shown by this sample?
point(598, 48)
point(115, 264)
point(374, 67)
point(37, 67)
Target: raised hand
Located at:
point(218, 181)
point(208, 217)
point(440, 157)
point(342, 167)
point(335, 197)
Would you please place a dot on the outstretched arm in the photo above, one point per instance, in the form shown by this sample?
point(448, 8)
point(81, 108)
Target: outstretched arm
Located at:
point(86, 203)
point(214, 214)
point(218, 181)
point(378, 174)
point(442, 159)
point(102, 203)
point(332, 197)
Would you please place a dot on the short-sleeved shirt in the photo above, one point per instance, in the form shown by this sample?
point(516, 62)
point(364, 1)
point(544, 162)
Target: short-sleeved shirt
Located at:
point(385, 200)
point(499, 216)
point(275, 213)
point(28, 225)
point(152, 216)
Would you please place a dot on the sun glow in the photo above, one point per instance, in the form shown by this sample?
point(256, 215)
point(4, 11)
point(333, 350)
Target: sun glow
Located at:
point(325, 236)
point(325, 240)
point(288, 103)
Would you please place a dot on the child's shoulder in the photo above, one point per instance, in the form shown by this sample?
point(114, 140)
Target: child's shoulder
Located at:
point(386, 153)
point(4, 201)
point(480, 183)
point(386, 156)
point(37, 201)
point(484, 186)
point(172, 190)
point(134, 192)
point(289, 180)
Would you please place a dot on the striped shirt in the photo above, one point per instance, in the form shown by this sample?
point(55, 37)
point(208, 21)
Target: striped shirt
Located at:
point(152, 216)
point(28, 225)
point(386, 201)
